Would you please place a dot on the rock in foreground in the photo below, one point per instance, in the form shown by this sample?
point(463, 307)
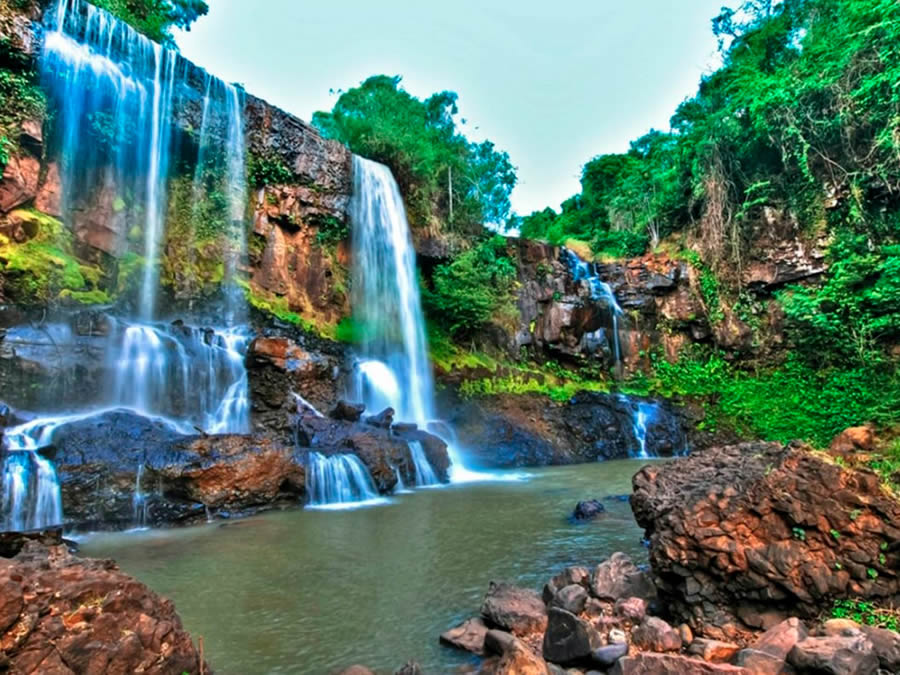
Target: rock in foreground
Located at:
point(743, 537)
point(62, 614)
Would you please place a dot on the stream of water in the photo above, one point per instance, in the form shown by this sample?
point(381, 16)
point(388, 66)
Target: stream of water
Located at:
point(312, 591)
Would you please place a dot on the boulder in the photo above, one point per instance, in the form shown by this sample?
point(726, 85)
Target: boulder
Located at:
point(499, 642)
point(588, 510)
point(632, 609)
point(520, 660)
point(568, 639)
point(605, 657)
point(382, 420)
point(619, 577)
point(713, 650)
point(768, 654)
point(835, 655)
point(646, 663)
point(517, 610)
point(854, 439)
point(468, 636)
point(349, 412)
point(885, 643)
point(744, 536)
point(109, 462)
point(656, 635)
point(570, 598)
point(63, 614)
point(569, 576)
point(410, 668)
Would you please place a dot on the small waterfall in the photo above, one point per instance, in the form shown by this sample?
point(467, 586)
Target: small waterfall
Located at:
point(139, 500)
point(425, 475)
point(31, 495)
point(600, 291)
point(400, 487)
point(643, 415)
point(303, 404)
point(338, 480)
point(192, 375)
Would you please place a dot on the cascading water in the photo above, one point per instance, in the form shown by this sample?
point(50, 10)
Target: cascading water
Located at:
point(338, 481)
point(425, 475)
point(117, 96)
point(394, 370)
point(600, 291)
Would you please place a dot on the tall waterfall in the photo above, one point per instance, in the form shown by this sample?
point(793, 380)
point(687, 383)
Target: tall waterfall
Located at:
point(600, 291)
point(118, 98)
point(394, 370)
point(386, 302)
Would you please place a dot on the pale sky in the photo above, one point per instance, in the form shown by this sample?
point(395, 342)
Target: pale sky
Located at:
point(552, 83)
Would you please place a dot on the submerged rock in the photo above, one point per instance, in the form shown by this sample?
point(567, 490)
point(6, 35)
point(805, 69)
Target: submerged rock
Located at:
point(63, 614)
point(588, 510)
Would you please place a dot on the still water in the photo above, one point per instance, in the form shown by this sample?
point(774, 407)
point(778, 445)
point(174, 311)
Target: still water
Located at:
point(316, 591)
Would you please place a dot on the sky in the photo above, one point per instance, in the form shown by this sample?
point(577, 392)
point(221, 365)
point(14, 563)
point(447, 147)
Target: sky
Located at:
point(553, 83)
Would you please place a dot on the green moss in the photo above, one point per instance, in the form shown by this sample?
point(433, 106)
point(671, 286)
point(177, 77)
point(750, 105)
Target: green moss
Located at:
point(40, 270)
point(554, 389)
point(129, 271)
point(277, 306)
point(93, 297)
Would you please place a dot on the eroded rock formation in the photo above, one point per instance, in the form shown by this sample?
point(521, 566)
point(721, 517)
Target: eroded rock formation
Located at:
point(743, 537)
point(62, 614)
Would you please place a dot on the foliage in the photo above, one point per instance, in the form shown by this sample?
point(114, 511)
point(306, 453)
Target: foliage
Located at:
point(277, 306)
point(20, 99)
point(856, 312)
point(887, 465)
point(268, 169)
point(476, 286)
point(331, 230)
point(445, 178)
point(156, 18)
point(866, 613)
point(792, 401)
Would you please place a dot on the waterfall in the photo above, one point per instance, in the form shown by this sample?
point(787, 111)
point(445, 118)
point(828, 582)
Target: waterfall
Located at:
point(139, 500)
point(600, 291)
point(117, 97)
point(425, 475)
point(338, 481)
point(394, 370)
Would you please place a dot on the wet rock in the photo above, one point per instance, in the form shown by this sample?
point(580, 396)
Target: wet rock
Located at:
point(769, 653)
point(743, 536)
point(605, 657)
point(11, 543)
point(468, 636)
point(656, 635)
point(835, 656)
point(646, 663)
point(713, 650)
point(570, 598)
point(619, 577)
point(350, 412)
point(568, 639)
point(410, 668)
point(182, 478)
point(518, 610)
point(382, 420)
point(588, 510)
point(520, 660)
point(499, 642)
point(86, 614)
point(633, 609)
point(278, 368)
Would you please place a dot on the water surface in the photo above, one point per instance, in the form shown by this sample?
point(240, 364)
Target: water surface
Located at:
point(316, 591)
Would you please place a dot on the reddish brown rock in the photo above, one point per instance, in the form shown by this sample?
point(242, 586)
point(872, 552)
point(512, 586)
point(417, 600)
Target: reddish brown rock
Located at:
point(656, 635)
point(713, 650)
point(75, 615)
point(49, 196)
point(19, 183)
point(645, 663)
point(768, 654)
point(743, 536)
point(517, 610)
point(854, 439)
point(835, 655)
point(468, 636)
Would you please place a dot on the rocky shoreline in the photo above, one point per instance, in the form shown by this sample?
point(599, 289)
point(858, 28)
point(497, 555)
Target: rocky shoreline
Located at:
point(732, 585)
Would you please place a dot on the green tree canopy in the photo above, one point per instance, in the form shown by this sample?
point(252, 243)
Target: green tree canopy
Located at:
point(446, 179)
point(156, 18)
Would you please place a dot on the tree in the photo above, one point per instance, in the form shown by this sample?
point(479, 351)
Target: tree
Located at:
point(156, 18)
point(446, 179)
